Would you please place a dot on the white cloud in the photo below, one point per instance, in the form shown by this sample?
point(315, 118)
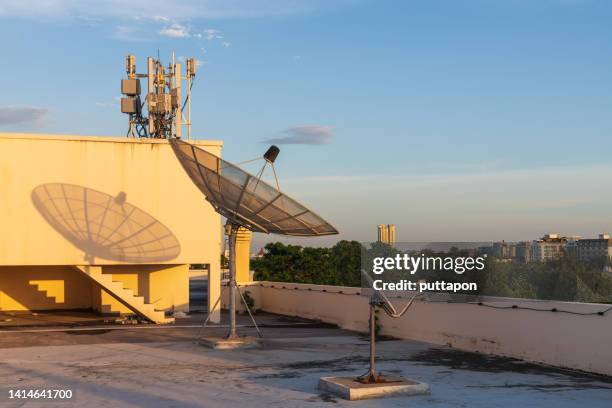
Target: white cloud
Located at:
point(175, 31)
point(308, 134)
point(226, 44)
point(160, 19)
point(211, 33)
point(22, 115)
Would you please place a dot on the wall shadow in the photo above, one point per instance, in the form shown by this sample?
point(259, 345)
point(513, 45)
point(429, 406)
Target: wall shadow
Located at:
point(43, 288)
point(103, 226)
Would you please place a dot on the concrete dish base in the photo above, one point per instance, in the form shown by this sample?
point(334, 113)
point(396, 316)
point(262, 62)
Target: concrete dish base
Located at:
point(348, 388)
point(220, 343)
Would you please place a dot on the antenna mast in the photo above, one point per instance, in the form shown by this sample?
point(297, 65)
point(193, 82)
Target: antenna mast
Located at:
point(164, 110)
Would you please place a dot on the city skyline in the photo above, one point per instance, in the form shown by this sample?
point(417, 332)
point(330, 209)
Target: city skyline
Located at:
point(458, 121)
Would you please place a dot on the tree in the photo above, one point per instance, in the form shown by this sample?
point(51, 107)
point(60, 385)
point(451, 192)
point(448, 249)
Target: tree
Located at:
point(562, 279)
point(338, 265)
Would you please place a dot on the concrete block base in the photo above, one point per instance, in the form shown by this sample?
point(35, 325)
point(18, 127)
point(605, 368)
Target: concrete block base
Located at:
point(348, 388)
point(220, 343)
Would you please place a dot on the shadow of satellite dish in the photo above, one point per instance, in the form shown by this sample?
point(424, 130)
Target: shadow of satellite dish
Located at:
point(103, 226)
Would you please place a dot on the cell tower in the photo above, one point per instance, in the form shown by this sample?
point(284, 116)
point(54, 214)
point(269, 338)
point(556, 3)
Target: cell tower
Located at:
point(164, 110)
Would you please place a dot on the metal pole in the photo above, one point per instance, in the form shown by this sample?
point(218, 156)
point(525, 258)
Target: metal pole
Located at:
point(178, 116)
point(372, 340)
point(151, 91)
point(189, 106)
point(371, 377)
point(233, 231)
point(249, 311)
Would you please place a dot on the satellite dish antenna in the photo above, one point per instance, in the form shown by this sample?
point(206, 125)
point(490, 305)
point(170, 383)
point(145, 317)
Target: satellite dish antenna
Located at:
point(247, 201)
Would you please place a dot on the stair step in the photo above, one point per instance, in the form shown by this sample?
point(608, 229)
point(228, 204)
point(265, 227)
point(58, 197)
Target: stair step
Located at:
point(127, 296)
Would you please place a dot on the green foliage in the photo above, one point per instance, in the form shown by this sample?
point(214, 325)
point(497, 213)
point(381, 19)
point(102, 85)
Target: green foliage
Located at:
point(346, 258)
point(248, 299)
point(338, 265)
point(198, 266)
point(224, 262)
point(563, 279)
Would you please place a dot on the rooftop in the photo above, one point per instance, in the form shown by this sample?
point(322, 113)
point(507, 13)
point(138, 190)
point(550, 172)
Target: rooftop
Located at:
point(153, 366)
point(108, 139)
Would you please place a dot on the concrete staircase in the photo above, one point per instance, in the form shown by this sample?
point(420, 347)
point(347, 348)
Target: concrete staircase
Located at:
point(124, 295)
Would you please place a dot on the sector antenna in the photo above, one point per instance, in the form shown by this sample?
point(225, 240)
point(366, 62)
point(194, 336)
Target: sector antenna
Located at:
point(247, 201)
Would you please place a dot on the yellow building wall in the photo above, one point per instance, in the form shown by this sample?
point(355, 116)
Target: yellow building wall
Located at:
point(145, 172)
point(243, 255)
point(169, 288)
point(43, 287)
point(25, 288)
point(37, 258)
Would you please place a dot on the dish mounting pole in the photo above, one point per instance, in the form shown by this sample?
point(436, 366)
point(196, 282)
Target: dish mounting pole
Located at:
point(372, 377)
point(379, 300)
point(232, 231)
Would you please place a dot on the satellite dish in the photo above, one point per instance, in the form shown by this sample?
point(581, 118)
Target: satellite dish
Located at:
point(104, 226)
point(247, 201)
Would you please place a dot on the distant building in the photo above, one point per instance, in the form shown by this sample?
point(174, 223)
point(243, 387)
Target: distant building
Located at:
point(551, 247)
point(504, 250)
point(382, 233)
point(485, 250)
point(591, 249)
point(258, 255)
point(386, 234)
point(548, 248)
point(523, 252)
point(571, 246)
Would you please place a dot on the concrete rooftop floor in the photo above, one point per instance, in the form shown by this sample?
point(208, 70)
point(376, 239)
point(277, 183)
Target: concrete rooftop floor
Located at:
point(149, 366)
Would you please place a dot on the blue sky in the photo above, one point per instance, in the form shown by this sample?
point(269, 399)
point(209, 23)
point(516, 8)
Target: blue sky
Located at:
point(455, 120)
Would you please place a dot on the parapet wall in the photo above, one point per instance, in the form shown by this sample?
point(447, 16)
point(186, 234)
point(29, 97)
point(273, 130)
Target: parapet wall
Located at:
point(556, 338)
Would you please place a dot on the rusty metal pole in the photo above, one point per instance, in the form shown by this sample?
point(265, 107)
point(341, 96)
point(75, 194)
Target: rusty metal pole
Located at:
point(372, 341)
point(371, 377)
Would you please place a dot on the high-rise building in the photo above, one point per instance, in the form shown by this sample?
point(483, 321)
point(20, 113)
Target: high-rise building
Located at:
point(523, 252)
point(550, 247)
point(591, 249)
point(504, 250)
point(571, 246)
point(382, 233)
point(386, 234)
point(391, 234)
